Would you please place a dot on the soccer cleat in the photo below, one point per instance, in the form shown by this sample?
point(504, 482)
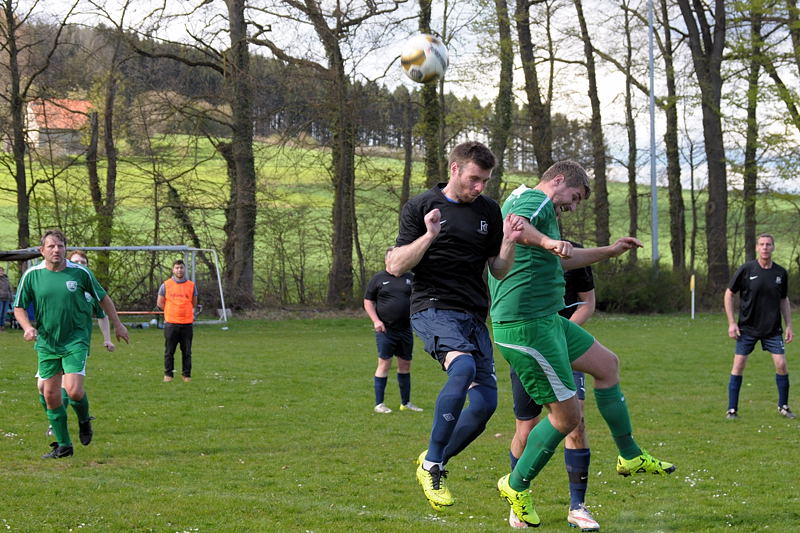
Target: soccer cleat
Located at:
point(520, 502)
point(410, 407)
point(514, 521)
point(643, 464)
point(58, 451)
point(433, 485)
point(85, 431)
point(784, 410)
point(732, 414)
point(167, 379)
point(582, 519)
point(186, 379)
point(382, 408)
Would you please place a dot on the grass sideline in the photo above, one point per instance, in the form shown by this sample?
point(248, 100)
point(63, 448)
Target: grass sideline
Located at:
point(276, 433)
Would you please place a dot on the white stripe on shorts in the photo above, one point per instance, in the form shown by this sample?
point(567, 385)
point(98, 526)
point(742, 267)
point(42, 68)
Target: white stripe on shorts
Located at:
point(562, 392)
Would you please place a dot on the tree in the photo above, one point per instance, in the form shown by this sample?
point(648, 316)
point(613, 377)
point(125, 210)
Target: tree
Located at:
point(602, 230)
point(503, 104)
point(232, 65)
point(332, 28)
point(430, 118)
point(26, 56)
point(707, 41)
point(538, 106)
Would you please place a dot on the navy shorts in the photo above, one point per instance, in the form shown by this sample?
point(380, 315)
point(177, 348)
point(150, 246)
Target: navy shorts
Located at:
point(399, 342)
point(745, 344)
point(448, 330)
point(525, 408)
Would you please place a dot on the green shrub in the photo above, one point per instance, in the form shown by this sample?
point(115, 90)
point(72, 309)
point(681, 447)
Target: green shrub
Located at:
point(622, 287)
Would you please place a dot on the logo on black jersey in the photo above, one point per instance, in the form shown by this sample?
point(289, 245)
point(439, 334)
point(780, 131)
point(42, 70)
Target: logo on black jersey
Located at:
point(778, 280)
point(484, 229)
point(408, 281)
point(72, 285)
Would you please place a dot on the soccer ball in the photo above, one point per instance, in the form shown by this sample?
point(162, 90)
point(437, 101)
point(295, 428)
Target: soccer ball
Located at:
point(424, 58)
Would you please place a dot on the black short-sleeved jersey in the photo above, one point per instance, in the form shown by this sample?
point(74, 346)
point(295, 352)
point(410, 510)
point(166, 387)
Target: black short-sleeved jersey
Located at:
point(392, 297)
point(450, 274)
point(761, 291)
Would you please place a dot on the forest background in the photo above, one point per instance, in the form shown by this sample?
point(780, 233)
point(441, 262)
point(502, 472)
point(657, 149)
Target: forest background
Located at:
point(283, 135)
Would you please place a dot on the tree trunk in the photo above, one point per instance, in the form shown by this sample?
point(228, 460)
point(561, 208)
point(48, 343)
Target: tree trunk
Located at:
point(602, 231)
point(538, 111)
point(17, 111)
point(501, 124)
point(630, 126)
point(431, 114)
point(240, 94)
point(408, 149)
point(751, 138)
point(677, 217)
point(707, 45)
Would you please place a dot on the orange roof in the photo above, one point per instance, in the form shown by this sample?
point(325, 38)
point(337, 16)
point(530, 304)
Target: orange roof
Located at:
point(62, 114)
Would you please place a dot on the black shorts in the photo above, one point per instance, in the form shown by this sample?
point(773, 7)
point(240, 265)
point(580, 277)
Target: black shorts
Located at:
point(399, 342)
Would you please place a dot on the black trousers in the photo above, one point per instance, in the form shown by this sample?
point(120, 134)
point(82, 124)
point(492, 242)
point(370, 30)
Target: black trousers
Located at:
point(175, 334)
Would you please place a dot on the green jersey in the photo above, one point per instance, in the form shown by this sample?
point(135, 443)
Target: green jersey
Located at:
point(534, 287)
point(63, 303)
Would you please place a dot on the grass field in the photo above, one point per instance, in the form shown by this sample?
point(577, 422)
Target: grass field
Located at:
point(276, 433)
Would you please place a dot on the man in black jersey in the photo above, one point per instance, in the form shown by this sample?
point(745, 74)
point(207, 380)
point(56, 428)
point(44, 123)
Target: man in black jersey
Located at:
point(387, 301)
point(447, 237)
point(763, 287)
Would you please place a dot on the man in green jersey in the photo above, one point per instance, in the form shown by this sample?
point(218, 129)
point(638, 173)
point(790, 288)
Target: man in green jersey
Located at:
point(62, 294)
point(543, 347)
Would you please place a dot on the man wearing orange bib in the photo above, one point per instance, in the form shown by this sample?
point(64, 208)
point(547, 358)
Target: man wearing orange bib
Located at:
point(177, 296)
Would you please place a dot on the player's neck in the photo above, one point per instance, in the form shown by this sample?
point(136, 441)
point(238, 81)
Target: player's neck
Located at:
point(55, 267)
point(765, 263)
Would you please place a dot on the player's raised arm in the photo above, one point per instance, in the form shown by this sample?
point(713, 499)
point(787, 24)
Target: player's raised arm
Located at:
point(582, 257)
point(403, 258)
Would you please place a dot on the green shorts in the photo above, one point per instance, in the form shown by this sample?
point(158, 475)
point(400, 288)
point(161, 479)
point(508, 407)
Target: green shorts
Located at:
point(541, 352)
point(71, 362)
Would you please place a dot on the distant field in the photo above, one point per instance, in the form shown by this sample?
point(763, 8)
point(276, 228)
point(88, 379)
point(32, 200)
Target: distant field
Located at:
point(276, 433)
point(295, 197)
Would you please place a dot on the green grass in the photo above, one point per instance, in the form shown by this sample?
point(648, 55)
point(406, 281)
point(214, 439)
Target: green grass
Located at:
point(277, 433)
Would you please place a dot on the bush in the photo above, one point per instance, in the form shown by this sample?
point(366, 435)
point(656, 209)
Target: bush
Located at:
point(622, 287)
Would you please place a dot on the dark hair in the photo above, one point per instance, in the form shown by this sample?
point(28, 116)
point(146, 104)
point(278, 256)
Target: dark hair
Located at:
point(178, 262)
point(574, 175)
point(475, 152)
point(56, 233)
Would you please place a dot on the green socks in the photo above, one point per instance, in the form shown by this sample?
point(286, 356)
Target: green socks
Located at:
point(81, 407)
point(542, 442)
point(614, 411)
point(58, 419)
point(64, 399)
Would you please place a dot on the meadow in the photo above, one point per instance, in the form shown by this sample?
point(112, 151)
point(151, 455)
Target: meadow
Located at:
point(276, 433)
point(295, 194)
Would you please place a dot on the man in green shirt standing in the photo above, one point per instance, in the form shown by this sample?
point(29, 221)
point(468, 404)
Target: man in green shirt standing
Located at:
point(543, 347)
point(62, 294)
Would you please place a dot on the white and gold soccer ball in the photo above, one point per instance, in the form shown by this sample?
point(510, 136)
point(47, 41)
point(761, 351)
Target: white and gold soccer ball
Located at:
point(424, 58)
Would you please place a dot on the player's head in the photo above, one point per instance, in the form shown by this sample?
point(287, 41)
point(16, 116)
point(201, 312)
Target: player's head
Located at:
point(470, 166)
point(179, 269)
point(765, 245)
point(79, 256)
point(53, 246)
point(568, 184)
